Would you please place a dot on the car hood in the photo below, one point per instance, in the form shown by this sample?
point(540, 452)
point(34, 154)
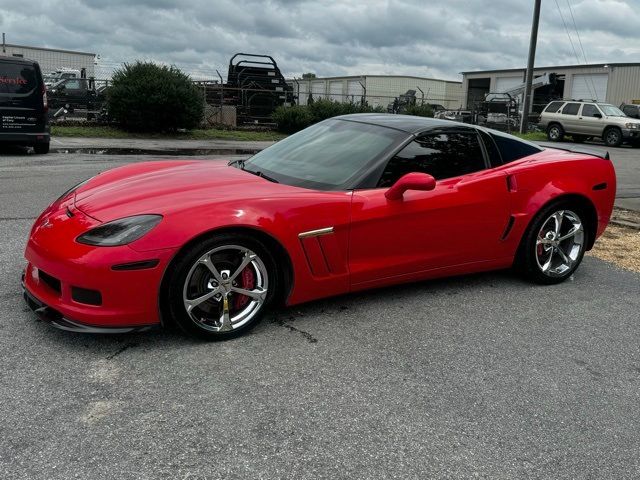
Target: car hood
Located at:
point(624, 120)
point(169, 186)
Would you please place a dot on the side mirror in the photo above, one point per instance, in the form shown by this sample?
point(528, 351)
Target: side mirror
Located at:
point(597, 115)
point(410, 181)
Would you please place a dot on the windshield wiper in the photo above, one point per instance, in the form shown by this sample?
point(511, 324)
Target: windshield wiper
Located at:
point(261, 174)
point(239, 162)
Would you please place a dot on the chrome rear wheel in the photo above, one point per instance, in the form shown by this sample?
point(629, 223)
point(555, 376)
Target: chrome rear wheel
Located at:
point(560, 243)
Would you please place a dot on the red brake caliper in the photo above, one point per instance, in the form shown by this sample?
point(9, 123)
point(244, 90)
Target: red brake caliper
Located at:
point(248, 282)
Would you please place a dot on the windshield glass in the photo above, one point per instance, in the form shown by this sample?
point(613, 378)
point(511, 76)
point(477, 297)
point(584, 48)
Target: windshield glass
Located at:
point(326, 156)
point(611, 111)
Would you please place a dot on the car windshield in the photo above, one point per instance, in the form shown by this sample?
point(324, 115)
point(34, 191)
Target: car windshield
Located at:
point(327, 156)
point(611, 111)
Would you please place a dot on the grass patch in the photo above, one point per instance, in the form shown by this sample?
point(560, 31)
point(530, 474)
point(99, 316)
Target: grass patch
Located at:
point(532, 136)
point(97, 131)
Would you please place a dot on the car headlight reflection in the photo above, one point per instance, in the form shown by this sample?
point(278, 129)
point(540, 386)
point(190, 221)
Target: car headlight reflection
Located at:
point(121, 231)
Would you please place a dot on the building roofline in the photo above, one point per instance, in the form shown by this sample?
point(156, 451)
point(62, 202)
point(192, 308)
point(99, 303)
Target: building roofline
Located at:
point(590, 65)
point(341, 77)
point(50, 49)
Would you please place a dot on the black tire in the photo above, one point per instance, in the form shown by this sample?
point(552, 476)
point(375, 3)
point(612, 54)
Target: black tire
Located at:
point(555, 132)
point(527, 260)
point(182, 269)
point(612, 137)
point(41, 148)
point(578, 138)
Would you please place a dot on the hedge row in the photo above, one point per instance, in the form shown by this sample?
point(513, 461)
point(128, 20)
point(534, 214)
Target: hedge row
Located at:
point(297, 117)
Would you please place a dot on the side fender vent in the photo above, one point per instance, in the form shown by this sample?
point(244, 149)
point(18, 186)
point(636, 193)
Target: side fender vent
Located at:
point(508, 228)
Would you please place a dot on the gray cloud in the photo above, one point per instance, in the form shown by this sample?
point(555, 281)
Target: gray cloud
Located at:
point(413, 37)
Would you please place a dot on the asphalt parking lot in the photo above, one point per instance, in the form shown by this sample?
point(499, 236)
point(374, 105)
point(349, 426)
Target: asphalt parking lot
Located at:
point(480, 376)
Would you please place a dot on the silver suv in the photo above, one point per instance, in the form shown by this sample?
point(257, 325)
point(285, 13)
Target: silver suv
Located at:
point(584, 120)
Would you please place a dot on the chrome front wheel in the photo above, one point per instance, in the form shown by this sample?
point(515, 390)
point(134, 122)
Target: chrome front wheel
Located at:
point(225, 288)
point(220, 287)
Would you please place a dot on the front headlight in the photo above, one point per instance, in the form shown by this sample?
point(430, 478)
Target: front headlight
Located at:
point(120, 232)
point(633, 126)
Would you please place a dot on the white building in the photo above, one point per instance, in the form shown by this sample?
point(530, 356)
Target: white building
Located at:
point(612, 83)
point(378, 90)
point(51, 59)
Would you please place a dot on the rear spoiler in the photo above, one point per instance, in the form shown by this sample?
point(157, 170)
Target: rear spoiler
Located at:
point(579, 149)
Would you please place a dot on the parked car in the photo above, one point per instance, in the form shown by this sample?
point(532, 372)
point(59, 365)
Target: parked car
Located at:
point(584, 120)
point(23, 104)
point(631, 110)
point(350, 203)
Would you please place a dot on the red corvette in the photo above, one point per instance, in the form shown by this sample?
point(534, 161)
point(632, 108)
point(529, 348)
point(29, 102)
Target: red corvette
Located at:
point(351, 203)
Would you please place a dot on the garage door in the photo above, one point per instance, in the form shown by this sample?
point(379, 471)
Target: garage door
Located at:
point(504, 84)
point(589, 86)
point(354, 91)
point(335, 90)
point(317, 88)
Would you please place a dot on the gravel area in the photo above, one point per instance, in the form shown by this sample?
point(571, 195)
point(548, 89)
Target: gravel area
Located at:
point(619, 245)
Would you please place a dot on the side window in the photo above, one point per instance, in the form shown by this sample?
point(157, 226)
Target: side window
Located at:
point(553, 107)
point(512, 148)
point(590, 110)
point(441, 155)
point(73, 84)
point(631, 111)
point(571, 109)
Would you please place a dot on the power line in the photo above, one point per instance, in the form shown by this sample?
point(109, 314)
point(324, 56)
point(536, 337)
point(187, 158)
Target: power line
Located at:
point(566, 29)
point(581, 47)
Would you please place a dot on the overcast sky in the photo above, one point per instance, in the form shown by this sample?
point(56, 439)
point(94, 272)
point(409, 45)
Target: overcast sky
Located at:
point(419, 37)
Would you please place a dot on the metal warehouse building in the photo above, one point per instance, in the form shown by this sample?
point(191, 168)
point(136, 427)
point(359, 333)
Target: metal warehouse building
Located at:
point(612, 83)
point(378, 90)
point(51, 59)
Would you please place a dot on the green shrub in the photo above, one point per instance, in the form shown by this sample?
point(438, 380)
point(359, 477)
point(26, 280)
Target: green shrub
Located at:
point(419, 110)
point(292, 119)
point(295, 118)
point(154, 98)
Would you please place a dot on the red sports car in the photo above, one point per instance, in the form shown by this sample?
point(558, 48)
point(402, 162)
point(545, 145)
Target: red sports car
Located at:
point(351, 203)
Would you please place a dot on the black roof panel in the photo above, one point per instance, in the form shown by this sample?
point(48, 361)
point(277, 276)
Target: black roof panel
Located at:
point(407, 123)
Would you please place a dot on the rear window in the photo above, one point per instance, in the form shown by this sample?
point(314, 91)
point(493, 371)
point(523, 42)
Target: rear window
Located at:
point(17, 78)
point(513, 148)
point(553, 107)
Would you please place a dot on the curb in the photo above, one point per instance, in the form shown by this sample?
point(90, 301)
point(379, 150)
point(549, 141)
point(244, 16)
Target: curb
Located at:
point(625, 223)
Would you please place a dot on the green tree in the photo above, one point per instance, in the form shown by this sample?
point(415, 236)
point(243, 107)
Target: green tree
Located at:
point(145, 96)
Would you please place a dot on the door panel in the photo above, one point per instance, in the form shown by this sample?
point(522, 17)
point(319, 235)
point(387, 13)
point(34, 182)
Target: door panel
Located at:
point(460, 221)
point(590, 125)
point(569, 117)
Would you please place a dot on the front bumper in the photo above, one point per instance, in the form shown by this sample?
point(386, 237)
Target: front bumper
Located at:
point(86, 288)
point(56, 319)
point(630, 134)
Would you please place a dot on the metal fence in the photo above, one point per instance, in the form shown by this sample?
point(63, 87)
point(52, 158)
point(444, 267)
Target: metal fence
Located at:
point(83, 99)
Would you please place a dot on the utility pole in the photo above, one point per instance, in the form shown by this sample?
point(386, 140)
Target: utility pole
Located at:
point(4, 44)
point(524, 121)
